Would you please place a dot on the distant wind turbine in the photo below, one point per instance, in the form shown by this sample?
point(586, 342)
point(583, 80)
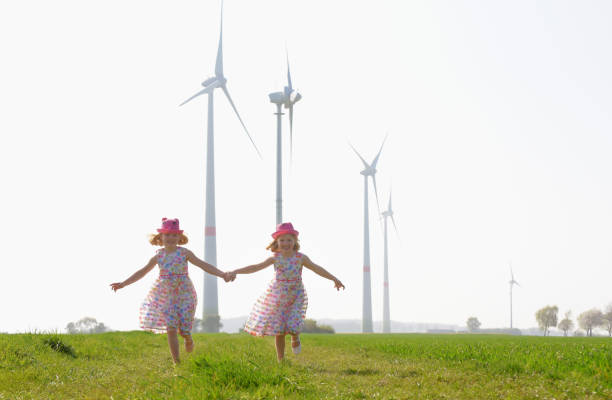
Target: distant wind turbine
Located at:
point(370, 170)
point(388, 213)
point(211, 305)
point(512, 282)
point(288, 97)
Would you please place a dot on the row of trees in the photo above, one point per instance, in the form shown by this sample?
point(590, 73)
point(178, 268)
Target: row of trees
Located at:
point(593, 318)
point(86, 325)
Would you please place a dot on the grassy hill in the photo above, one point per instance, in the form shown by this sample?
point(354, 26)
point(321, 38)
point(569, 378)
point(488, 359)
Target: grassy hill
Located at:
point(137, 365)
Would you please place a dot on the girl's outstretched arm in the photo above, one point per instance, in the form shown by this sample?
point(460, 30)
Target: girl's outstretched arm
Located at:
point(136, 275)
point(255, 267)
point(211, 269)
point(321, 271)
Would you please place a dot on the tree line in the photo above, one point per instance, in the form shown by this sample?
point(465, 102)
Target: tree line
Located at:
point(87, 325)
point(588, 320)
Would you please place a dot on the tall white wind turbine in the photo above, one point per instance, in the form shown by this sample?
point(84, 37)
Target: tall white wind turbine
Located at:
point(211, 305)
point(512, 282)
point(370, 170)
point(288, 97)
point(388, 213)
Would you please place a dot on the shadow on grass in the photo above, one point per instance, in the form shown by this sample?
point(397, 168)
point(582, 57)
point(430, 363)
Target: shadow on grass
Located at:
point(360, 372)
point(57, 344)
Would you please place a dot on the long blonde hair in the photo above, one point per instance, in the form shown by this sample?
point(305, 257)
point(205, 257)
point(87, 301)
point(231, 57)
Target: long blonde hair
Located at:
point(273, 246)
point(156, 239)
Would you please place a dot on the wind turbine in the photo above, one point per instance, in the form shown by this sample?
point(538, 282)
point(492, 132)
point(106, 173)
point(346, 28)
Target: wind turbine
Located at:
point(288, 97)
point(512, 282)
point(370, 170)
point(211, 305)
point(388, 213)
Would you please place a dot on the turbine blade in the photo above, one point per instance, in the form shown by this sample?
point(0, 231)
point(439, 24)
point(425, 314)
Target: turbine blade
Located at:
point(289, 73)
point(291, 133)
point(205, 90)
point(395, 226)
point(358, 155)
point(376, 192)
point(219, 62)
point(240, 119)
point(378, 155)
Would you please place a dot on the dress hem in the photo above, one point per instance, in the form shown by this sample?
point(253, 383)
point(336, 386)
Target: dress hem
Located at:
point(262, 334)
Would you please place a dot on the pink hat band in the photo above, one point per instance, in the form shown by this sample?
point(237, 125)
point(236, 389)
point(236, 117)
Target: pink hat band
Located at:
point(170, 226)
point(286, 228)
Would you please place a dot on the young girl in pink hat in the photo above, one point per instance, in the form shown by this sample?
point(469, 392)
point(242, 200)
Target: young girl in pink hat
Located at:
point(281, 309)
point(171, 302)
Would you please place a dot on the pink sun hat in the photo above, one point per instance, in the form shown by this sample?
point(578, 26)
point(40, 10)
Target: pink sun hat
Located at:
point(170, 226)
point(284, 229)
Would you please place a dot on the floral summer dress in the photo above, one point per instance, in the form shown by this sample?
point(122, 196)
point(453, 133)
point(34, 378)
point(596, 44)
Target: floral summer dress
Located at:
point(172, 300)
point(282, 308)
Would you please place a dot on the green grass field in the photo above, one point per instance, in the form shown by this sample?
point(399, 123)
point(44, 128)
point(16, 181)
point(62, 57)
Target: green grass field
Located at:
point(137, 365)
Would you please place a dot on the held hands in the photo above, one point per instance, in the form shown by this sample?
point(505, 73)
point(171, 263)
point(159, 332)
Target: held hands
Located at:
point(229, 276)
point(338, 284)
point(117, 285)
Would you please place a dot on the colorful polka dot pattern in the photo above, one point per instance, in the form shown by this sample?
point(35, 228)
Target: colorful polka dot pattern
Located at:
point(172, 300)
point(281, 309)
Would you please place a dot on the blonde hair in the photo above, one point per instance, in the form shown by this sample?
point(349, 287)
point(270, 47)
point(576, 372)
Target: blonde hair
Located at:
point(273, 246)
point(156, 239)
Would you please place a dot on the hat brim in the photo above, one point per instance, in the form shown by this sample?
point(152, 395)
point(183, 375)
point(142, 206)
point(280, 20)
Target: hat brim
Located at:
point(287, 232)
point(169, 231)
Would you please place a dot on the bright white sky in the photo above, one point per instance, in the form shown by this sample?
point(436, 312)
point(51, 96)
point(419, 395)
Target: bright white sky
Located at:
point(500, 135)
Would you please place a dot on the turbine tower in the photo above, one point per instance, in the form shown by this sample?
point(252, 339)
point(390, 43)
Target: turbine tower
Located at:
point(288, 97)
point(386, 312)
point(211, 305)
point(512, 282)
point(370, 170)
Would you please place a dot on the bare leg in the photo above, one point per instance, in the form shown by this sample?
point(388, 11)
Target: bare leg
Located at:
point(280, 347)
point(295, 343)
point(174, 345)
point(188, 341)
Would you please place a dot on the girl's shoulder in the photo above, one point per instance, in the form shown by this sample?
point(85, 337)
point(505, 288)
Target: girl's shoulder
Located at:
point(183, 251)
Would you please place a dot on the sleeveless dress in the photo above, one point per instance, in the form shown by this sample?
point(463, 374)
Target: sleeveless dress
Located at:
point(172, 300)
point(281, 309)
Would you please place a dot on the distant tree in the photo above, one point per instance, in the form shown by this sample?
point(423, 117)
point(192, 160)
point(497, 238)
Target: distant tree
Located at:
point(566, 324)
point(100, 328)
point(473, 324)
point(197, 325)
point(547, 317)
point(590, 319)
point(71, 328)
point(607, 319)
point(310, 326)
point(86, 325)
